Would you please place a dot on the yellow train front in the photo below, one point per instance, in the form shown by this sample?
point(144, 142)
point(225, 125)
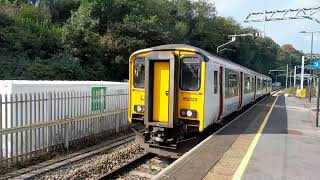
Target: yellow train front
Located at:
point(177, 91)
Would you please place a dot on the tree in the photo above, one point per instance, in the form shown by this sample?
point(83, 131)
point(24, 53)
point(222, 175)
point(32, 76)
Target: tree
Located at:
point(93, 39)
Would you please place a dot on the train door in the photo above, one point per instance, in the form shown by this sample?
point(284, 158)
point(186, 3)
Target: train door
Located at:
point(255, 87)
point(216, 87)
point(161, 87)
point(221, 90)
point(160, 91)
point(211, 93)
point(241, 91)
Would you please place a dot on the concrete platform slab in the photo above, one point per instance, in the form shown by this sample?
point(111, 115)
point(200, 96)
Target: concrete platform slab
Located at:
point(199, 161)
point(287, 147)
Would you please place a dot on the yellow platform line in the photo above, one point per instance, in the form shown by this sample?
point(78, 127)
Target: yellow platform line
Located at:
point(245, 161)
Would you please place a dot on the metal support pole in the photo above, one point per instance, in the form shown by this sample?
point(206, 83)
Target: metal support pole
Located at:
point(302, 73)
point(290, 77)
point(231, 41)
point(311, 61)
point(294, 76)
point(318, 95)
point(287, 77)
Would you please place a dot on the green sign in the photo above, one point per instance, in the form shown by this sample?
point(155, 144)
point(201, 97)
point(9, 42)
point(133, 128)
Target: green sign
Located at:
point(98, 98)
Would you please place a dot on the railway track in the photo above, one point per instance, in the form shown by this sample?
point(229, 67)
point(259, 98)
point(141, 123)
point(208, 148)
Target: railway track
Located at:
point(121, 159)
point(145, 166)
point(148, 165)
point(40, 170)
point(93, 167)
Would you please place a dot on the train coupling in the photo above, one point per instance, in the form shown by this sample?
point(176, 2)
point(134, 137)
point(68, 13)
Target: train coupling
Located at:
point(171, 148)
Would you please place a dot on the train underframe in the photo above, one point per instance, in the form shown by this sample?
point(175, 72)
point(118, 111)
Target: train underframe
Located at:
point(171, 142)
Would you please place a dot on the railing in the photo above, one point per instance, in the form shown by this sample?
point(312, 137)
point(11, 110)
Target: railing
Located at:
point(30, 123)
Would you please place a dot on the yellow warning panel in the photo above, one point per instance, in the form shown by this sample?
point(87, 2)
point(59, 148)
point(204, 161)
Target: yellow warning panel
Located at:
point(161, 92)
point(302, 93)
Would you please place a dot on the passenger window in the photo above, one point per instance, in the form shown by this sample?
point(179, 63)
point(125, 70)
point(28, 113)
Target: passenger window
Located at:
point(232, 88)
point(259, 84)
point(138, 73)
point(247, 85)
point(215, 82)
point(190, 74)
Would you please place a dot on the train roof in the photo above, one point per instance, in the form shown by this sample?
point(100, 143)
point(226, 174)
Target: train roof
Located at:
point(209, 56)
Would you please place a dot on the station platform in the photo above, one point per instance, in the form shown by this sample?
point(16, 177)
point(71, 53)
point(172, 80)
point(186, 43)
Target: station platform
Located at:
point(275, 139)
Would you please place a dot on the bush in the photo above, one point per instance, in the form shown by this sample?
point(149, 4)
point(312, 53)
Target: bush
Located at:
point(292, 91)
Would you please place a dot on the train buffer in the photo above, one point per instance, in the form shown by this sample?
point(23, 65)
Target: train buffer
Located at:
point(275, 139)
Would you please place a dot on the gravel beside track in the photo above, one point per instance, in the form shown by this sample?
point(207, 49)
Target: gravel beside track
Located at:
point(94, 166)
point(146, 169)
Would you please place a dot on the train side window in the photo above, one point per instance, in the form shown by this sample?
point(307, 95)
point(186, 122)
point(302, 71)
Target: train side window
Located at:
point(259, 84)
point(215, 82)
point(247, 88)
point(190, 74)
point(231, 84)
point(138, 73)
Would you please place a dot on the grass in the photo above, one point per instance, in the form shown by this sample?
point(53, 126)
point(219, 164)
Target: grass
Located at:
point(292, 91)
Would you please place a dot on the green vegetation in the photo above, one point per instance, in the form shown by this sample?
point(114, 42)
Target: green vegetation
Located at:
point(292, 91)
point(93, 39)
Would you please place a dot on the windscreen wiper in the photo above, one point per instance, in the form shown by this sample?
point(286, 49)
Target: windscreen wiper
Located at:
point(192, 70)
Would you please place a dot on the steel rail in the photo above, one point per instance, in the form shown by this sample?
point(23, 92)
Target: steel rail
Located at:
point(143, 157)
point(71, 158)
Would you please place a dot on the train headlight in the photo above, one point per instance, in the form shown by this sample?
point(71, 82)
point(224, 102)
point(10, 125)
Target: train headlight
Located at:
point(139, 108)
point(188, 113)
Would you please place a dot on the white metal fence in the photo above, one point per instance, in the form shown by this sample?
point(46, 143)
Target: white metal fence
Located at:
point(43, 121)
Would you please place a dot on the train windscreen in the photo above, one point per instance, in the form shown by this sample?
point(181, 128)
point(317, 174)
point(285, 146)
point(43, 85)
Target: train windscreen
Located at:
point(139, 73)
point(190, 74)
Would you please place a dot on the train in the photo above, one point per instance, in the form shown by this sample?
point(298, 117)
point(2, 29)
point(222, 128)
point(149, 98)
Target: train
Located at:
point(276, 85)
point(178, 91)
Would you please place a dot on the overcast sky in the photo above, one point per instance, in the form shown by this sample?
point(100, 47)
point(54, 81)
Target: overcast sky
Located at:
point(283, 32)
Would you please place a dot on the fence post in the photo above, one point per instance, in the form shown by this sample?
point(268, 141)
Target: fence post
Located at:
point(49, 114)
point(66, 125)
point(116, 103)
point(66, 136)
point(1, 153)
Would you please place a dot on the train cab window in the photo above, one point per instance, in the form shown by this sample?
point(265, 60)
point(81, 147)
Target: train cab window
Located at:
point(190, 74)
point(138, 70)
point(215, 82)
point(231, 84)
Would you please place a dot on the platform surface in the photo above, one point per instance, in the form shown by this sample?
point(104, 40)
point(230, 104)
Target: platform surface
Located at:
point(288, 146)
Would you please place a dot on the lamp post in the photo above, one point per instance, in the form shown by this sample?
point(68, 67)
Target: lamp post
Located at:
point(287, 77)
point(302, 73)
point(290, 77)
point(311, 60)
point(294, 76)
